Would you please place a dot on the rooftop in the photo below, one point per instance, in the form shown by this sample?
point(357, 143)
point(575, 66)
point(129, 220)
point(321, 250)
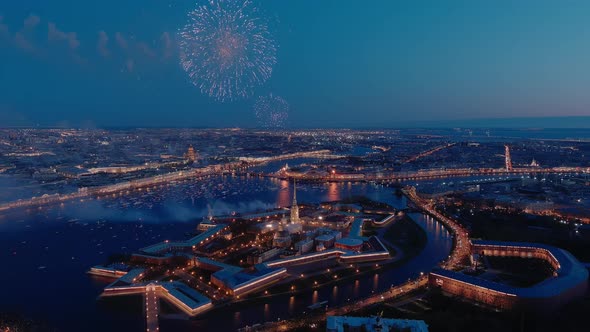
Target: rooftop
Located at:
point(348, 241)
point(374, 324)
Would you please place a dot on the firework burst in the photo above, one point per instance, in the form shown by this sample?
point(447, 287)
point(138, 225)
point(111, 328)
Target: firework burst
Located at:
point(271, 111)
point(226, 49)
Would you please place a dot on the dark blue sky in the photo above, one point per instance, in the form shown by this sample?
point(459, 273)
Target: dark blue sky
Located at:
point(340, 63)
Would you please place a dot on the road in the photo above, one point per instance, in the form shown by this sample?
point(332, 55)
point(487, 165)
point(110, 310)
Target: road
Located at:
point(152, 309)
point(461, 248)
point(429, 152)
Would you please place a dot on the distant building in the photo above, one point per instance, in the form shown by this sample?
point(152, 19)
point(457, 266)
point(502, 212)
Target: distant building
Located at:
point(191, 154)
point(281, 239)
point(326, 240)
point(304, 246)
point(262, 256)
point(338, 220)
point(294, 228)
point(206, 225)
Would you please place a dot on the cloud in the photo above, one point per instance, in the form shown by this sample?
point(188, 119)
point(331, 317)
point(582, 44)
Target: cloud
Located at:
point(121, 41)
point(102, 47)
point(130, 64)
point(4, 31)
point(31, 22)
point(73, 41)
point(22, 42)
point(20, 38)
point(78, 59)
point(168, 45)
point(145, 49)
point(54, 34)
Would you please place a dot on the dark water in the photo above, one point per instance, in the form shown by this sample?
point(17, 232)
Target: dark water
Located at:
point(46, 252)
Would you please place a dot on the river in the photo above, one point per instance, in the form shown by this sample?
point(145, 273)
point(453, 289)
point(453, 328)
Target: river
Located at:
point(46, 252)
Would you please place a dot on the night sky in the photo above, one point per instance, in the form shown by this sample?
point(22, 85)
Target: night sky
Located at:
point(339, 63)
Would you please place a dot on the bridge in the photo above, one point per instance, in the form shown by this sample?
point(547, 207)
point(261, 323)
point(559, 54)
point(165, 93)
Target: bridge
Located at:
point(461, 245)
point(152, 308)
point(242, 164)
point(429, 152)
point(421, 175)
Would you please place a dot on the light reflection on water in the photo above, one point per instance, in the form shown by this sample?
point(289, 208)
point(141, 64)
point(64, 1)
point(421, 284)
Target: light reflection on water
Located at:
point(335, 293)
point(375, 281)
point(291, 304)
point(284, 194)
point(266, 311)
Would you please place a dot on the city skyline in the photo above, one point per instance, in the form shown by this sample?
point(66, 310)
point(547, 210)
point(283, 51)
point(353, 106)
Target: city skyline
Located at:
point(294, 165)
point(294, 230)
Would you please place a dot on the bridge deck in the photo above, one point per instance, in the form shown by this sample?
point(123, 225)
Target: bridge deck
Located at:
point(152, 309)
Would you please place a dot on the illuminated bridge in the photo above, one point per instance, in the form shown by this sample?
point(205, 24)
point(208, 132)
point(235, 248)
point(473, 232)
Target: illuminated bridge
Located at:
point(424, 174)
point(162, 179)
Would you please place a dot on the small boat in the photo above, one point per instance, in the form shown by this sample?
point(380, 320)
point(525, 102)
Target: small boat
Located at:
point(318, 305)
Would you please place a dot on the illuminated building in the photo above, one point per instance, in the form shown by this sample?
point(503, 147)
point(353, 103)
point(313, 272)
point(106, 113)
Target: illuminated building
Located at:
point(237, 281)
point(304, 246)
point(191, 154)
point(349, 243)
point(264, 255)
point(569, 281)
point(326, 241)
point(294, 206)
point(176, 293)
point(281, 239)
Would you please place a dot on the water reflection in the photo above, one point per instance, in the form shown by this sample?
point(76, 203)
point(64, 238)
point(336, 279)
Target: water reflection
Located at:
point(333, 191)
point(237, 318)
point(283, 195)
point(376, 281)
point(291, 304)
point(335, 294)
point(266, 311)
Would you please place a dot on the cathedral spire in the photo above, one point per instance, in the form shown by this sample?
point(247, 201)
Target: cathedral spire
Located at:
point(294, 206)
point(294, 192)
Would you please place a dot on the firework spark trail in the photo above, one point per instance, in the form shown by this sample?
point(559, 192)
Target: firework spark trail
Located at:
point(226, 49)
point(271, 111)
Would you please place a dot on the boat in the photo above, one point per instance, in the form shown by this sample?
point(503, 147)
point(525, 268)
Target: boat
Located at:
point(318, 305)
